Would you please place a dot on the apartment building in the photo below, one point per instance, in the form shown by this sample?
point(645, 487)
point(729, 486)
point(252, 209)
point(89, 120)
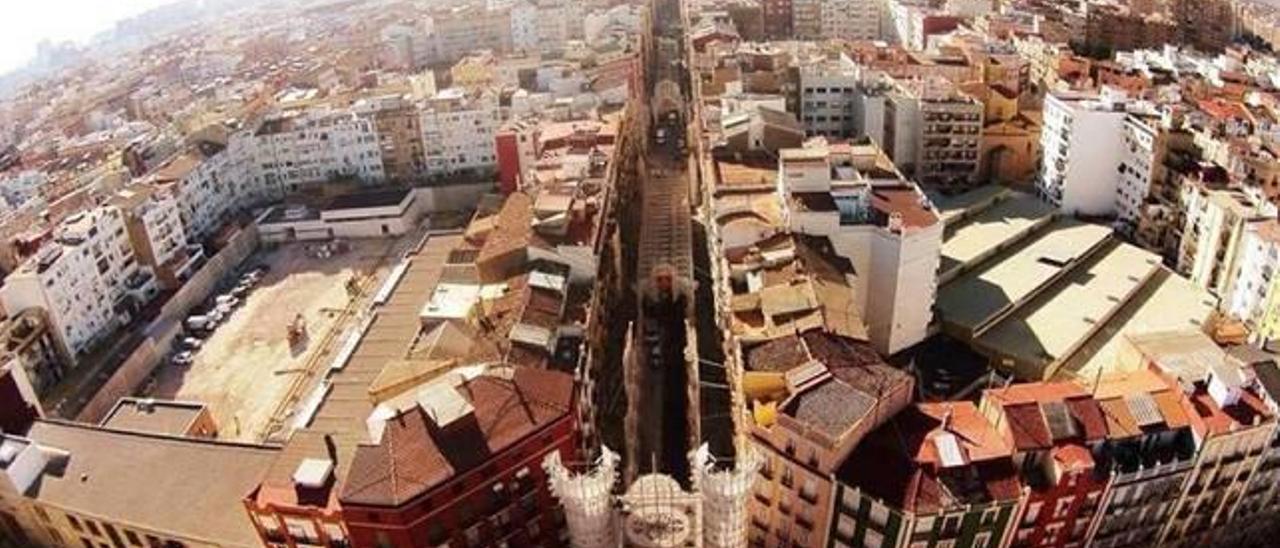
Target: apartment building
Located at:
point(1206, 25)
point(1117, 27)
point(777, 19)
point(817, 386)
point(943, 476)
point(806, 19)
point(209, 184)
point(516, 146)
point(911, 23)
point(156, 233)
point(30, 348)
point(398, 126)
point(950, 131)
point(850, 19)
point(1138, 164)
point(1232, 425)
point(479, 465)
point(1154, 167)
point(1081, 139)
point(828, 95)
point(1253, 297)
point(87, 280)
point(853, 195)
point(295, 149)
point(525, 37)
point(558, 22)
point(458, 128)
point(1212, 234)
point(459, 30)
point(63, 483)
point(1054, 429)
point(1147, 456)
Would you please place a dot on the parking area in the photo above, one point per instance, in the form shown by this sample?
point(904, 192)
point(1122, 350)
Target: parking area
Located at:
point(273, 331)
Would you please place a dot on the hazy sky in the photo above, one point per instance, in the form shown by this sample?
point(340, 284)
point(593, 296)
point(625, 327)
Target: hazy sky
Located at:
point(26, 22)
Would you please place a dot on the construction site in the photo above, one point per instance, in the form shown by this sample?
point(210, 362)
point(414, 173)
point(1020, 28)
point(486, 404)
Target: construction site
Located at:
point(253, 368)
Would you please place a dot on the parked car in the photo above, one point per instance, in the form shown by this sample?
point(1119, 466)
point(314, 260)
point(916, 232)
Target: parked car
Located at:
point(200, 322)
point(183, 358)
point(191, 343)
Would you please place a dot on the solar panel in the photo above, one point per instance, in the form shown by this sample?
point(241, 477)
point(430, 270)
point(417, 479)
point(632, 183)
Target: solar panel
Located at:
point(1061, 424)
point(1144, 409)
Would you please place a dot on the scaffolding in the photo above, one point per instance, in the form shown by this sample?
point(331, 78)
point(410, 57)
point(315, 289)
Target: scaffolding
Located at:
point(724, 496)
point(587, 499)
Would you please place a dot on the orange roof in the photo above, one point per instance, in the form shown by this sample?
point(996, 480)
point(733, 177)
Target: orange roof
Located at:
point(979, 439)
point(1035, 392)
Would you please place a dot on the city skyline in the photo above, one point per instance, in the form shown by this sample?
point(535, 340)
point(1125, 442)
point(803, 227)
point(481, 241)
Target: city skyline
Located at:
point(27, 24)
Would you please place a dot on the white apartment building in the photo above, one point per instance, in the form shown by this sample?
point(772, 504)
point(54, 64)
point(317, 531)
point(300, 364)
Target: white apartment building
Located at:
point(87, 280)
point(300, 148)
point(828, 95)
point(1212, 235)
point(881, 222)
point(524, 27)
point(1252, 295)
point(1082, 138)
point(458, 129)
point(851, 19)
point(153, 222)
point(208, 189)
point(556, 23)
point(1137, 169)
point(969, 8)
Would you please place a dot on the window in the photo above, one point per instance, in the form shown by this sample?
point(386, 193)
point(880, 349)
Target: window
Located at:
point(809, 491)
point(383, 540)
point(982, 540)
point(872, 539)
point(1061, 506)
point(879, 514)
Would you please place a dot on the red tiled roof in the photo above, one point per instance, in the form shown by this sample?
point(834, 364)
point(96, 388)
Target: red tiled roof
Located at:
point(415, 455)
point(1026, 427)
point(898, 463)
point(512, 230)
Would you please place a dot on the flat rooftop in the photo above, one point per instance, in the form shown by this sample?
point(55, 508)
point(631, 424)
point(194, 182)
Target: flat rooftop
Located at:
point(968, 302)
point(342, 413)
point(190, 487)
point(1167, 302)
point(954, 207)
point(974, 237)
point(173, 418)
point(1055, 322)
point(379, 198)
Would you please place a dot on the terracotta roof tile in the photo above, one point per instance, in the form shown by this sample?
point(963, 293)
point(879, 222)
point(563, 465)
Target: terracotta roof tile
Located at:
point(416, 455)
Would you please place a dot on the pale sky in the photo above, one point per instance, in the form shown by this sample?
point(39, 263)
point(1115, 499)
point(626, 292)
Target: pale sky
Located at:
point(26, 22)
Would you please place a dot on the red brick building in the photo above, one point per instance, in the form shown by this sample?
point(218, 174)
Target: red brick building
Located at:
point(461, 464)
point(1053, 429)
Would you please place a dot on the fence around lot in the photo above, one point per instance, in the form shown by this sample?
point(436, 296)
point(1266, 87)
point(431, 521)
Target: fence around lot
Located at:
point(158, 335)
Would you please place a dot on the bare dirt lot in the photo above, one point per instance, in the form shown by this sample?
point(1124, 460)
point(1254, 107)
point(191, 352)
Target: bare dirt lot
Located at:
point(246, 367)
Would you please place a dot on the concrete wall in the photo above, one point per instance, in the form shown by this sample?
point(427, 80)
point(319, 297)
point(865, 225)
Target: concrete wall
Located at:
point(158, 336)
point(427, 200)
